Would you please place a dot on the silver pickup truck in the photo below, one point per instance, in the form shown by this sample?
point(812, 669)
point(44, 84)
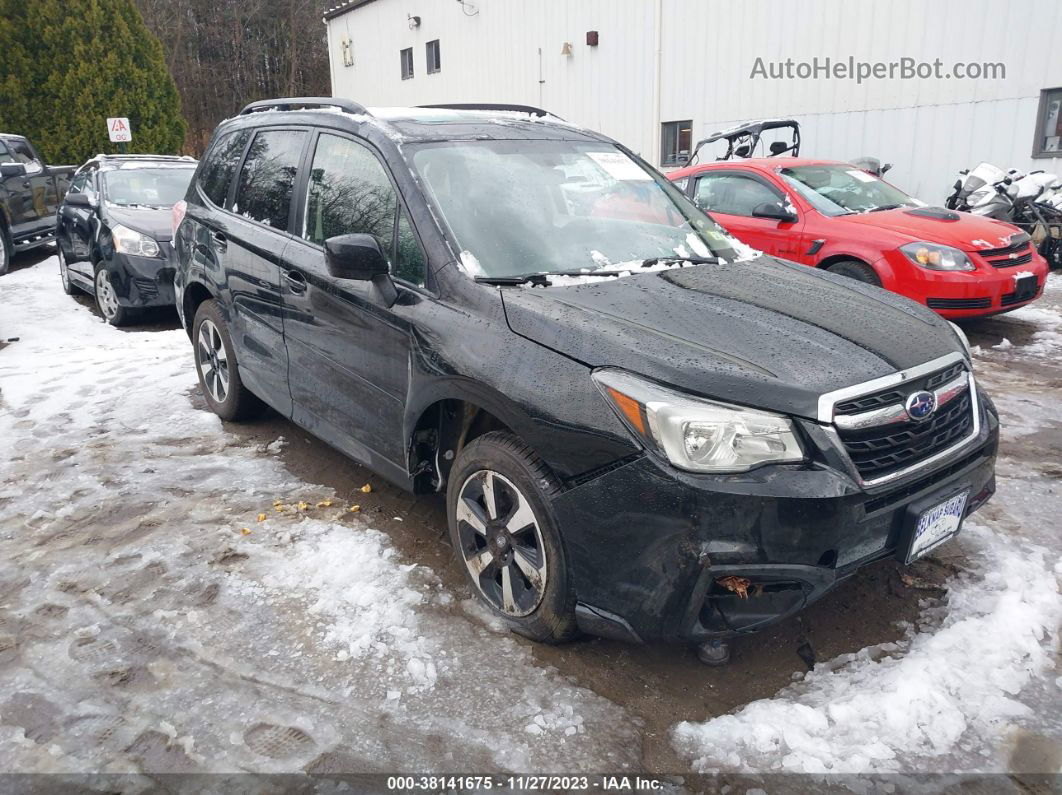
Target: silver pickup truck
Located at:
point(30, 192)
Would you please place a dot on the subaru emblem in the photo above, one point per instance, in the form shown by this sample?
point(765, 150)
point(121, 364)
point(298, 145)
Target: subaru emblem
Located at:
point(920, 405)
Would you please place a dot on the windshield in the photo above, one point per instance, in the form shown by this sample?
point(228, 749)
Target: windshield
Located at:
point(840, 189)
point(526, 207)
point(148, 187)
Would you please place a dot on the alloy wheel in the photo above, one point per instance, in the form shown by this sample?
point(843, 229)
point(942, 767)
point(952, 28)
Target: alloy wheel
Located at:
point(106, 298)
point(213, 361)
point(501, 543)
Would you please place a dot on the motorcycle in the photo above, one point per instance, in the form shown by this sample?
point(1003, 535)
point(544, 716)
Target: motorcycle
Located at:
point(1030, 201)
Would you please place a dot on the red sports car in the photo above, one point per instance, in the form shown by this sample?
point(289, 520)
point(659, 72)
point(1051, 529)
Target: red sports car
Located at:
point(835, 216)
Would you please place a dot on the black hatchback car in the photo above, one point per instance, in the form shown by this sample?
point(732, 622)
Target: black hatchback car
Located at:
point(114, 228)
point(644, 430)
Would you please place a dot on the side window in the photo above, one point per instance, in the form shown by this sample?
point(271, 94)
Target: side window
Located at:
point(220, 166)
point(732, 194)
point(77, 184)
point(263, 192)
point(681, 183)
point(350, 193)
point(5, 155)
point(23, 154)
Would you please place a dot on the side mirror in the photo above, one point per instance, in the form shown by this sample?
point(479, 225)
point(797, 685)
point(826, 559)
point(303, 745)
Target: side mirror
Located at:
point(12, 170)
point(886, 167)
point(773, 210)
point(355, 257)
point(79, 200)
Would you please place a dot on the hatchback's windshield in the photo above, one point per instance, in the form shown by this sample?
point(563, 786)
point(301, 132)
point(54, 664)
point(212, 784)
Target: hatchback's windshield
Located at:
point(524, 207)
point(840, 189)
point(150, 187)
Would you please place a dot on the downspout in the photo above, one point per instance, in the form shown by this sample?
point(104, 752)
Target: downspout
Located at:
point(654, 136)
point(331, 58)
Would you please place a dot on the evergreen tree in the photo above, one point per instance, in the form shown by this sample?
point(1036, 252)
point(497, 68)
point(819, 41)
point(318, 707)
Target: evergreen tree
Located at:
point(68, 65)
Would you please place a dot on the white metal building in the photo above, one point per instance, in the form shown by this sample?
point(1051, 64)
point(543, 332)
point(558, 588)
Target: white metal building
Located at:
point(659, 75)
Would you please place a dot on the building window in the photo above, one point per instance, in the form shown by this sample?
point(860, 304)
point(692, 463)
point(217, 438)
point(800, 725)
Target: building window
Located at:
point(434, 64)
point(1049, 124)
point(407, 63)
point(675, 140)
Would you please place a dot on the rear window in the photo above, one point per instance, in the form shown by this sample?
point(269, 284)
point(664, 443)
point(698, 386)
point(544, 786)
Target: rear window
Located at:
point(267, 179)
point(220, 165)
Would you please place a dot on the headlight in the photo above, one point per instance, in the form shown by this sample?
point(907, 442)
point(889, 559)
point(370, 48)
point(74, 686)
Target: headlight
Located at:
point(695, 434)
point(963, 339)
point(935, 257)
point(128, 241)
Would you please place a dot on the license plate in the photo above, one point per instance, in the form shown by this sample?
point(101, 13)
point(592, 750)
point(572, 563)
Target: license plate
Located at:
point(937, 525)
point(1025, 286)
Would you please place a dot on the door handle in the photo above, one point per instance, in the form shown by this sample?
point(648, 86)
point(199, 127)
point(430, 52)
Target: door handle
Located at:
point(220, 240)
point(296, 281)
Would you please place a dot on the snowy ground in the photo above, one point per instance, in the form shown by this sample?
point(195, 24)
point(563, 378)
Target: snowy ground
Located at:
point(975, 685)
point(173, 598)
point(150, 621)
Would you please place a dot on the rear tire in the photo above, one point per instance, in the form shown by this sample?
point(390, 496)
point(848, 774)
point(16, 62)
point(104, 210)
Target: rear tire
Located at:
point(854, 269)
point(6, 251)
point(506, 539)
point(215, 363)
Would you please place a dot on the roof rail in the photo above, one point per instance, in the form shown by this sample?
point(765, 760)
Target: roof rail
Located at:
point(298, 103)
point(142, 156)
point(491, 106)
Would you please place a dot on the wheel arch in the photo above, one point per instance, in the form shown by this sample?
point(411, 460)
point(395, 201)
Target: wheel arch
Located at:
point(448, 420)
point(193, 296)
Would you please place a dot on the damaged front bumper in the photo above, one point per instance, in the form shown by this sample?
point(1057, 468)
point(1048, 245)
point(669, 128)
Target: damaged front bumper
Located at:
point(660, 554)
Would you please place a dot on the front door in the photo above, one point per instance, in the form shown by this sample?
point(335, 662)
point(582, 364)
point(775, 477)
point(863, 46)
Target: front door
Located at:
point(348, 345)
point(731, 197)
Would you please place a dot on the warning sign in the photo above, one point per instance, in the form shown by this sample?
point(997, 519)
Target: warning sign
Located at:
point(118, 130)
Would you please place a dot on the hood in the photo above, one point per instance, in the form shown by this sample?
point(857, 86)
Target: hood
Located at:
point(156, 223)
point(764, 333)
point(963, 231)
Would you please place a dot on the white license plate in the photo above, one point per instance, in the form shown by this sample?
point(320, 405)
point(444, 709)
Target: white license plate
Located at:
point(937, 525)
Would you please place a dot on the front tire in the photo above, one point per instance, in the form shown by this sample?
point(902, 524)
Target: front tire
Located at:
point(64, 274)
point(215, 362)
point(6, 251)
point(107, 298)
point(854, 269)
point(506, 538)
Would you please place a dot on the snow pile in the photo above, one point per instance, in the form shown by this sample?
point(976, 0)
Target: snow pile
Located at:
point(948, 688)
point(355, 585)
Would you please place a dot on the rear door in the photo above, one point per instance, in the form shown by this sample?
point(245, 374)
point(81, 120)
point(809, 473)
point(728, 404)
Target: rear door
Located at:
point(732, 195)
point(247, 240)
point(348, 349)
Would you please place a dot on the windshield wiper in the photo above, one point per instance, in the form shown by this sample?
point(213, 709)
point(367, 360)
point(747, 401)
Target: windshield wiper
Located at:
point(886, 207)
point(648, 263)
point(537, 279)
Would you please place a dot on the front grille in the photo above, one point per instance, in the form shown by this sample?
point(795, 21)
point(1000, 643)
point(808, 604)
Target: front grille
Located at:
point(959, 303)
point(1024, 259)
point(894, 395)
point(880, 450)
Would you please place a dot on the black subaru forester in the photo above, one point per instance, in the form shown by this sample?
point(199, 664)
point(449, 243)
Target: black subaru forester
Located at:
point(644, 430)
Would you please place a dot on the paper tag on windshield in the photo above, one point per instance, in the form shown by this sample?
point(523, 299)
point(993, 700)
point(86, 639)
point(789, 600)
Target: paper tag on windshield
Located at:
point(862, 176)
point(618, 165)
